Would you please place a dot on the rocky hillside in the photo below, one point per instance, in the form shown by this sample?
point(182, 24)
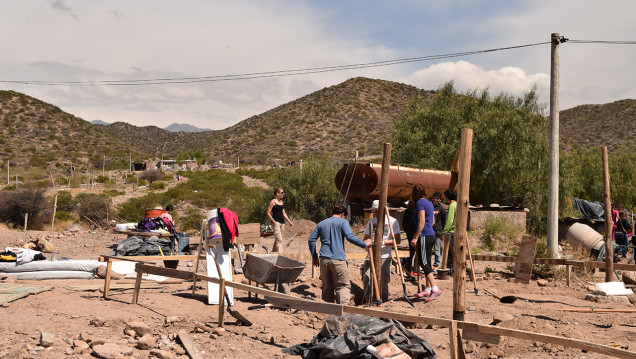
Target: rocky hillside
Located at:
point(354, 115)
point(612, 125)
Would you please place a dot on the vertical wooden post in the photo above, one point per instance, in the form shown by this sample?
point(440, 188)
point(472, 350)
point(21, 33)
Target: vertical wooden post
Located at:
point(461, 223)
point(384, 190)
point(567, 274)
point(26, 221)
point(103, 165)
point(109, 266)
point(221, 301)
point(54, 210)
point(452, 335)
point(609, 224)
point(553, 163)
point(137, 287)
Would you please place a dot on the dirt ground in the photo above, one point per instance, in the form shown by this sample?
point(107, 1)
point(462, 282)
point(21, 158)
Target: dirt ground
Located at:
point(79, 319)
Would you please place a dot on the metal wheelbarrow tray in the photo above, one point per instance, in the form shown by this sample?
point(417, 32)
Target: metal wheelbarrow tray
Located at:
point(271, 268)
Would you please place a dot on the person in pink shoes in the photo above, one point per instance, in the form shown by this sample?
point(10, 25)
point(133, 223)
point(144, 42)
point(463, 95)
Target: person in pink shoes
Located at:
point(424, 238)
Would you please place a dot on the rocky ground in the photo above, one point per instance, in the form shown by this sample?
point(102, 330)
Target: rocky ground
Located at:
point(63, 322)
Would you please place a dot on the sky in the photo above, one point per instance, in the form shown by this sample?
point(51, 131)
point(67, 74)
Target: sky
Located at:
point(89, 57)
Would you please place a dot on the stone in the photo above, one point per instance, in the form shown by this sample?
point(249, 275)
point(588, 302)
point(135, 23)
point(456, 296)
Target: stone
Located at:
point(161, 354)
point(501, 317)
point(218, 331)
point(632, 298)
point(620, 299)
point(173, 319)
point(69, 351)
point(111, 351)
point(147, 342)
point(46, 339)
point(629, 278)
point(80, 345)
point(74, 228)
point(542, 282)
point(97, 322)
point(140, 328)
point(100, 341)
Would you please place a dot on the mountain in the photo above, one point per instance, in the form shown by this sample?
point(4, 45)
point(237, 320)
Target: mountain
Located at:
point(99, 122)
point(612, 125)
point(184, 127)
point(355, 115)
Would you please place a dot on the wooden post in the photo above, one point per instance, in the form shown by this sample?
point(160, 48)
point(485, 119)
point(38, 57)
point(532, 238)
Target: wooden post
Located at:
point(26, 221)
point(109, 266)
point(567, 274)
point(461, 223)
point(137, 286)
point(54, 210)
point(609, 224)
point(553, 162)
point(103, 165)
point(221, 301)
point(52, 181)
point(379, 231)
point(452, 334)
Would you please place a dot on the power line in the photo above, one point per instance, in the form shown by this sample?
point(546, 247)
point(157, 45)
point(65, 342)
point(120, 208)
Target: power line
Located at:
point(255, 75)
point(602, 42)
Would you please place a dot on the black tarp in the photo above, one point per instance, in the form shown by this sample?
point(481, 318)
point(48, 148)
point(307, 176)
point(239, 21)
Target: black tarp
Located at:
point(590, 210)
point(143, 246)
point(347, 336)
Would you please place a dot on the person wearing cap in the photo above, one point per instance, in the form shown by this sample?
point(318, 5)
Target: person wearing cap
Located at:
point(334, 271)
point(385, 253)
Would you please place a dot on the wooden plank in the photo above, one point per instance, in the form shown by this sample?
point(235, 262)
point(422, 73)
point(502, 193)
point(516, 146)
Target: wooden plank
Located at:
point(221, 300)
point(526, 258)
point(408, 318)
point(304, 304)
point(555, 261)
point(471, 332)
point(307, 256)
point(188, 345)
point(121, 286)
point(180, 257)
point(545, 338)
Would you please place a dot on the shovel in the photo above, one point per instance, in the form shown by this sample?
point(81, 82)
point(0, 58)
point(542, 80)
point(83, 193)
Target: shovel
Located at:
point(508, 299)
point(375, 279)
point(398, 265)
point(230, 308)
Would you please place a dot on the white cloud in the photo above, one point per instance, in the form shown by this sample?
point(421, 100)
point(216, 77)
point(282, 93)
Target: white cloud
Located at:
point(467, 76)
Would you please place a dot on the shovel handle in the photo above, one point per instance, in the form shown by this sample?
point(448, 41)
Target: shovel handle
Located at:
point(397, 256)
point(375, 279)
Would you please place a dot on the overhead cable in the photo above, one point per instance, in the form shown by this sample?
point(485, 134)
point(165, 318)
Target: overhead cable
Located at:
point(255, 75)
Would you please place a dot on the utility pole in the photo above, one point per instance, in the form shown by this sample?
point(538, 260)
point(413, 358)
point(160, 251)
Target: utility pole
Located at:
point(553, 166)
point(103, 165)
point(609, 225)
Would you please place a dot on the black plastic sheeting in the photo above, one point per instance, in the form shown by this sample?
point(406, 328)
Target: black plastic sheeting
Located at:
point(590, 210)
point(348, 336)
point(143, 246)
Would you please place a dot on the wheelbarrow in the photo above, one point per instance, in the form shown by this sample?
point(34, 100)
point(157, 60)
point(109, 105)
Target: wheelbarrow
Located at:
point(271, 269)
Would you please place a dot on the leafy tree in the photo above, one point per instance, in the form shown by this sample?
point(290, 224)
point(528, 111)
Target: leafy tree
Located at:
point(151, 175)
point(509, 152)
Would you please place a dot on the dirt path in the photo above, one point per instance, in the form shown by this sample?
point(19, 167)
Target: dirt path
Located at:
point(78, 317)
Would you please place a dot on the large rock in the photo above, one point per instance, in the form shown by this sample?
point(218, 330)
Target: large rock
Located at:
point(147, 342)
point(501, 317)
point(74, 228)
point(140, 328)
point(46, 339)
point(629, 278)
point(111, 351)
point(161, 354)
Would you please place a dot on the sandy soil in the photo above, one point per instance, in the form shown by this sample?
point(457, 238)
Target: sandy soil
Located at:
point(76, 318)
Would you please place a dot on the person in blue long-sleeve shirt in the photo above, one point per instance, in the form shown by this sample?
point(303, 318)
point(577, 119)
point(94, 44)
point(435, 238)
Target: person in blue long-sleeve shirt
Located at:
point(333, 261)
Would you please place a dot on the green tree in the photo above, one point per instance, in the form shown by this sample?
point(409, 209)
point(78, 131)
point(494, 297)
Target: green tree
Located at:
point(509, 152)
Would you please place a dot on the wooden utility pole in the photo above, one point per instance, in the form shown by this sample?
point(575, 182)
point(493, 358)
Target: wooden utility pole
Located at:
point(609, 224)
point(553, 165)
point(384, 190)
point(461, 224)
point(103, 165)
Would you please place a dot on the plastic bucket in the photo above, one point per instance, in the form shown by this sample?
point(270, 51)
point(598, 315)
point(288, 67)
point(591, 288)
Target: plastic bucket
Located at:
point(153, 213)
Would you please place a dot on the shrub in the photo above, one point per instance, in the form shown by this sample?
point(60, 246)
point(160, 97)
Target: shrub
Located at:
point(151, 176)
point(113, 193)
point(93, 208)
point(64, 216)
point(157, 186)
point(29, 200)
point(498, 229)
point(191, 220)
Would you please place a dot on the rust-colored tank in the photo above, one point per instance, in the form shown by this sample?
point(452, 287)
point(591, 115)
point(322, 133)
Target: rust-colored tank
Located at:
point(361, 182)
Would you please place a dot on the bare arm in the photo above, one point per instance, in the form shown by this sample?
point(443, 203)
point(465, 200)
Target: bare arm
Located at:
point(421, 215)
point(287, 218)
point(269, 210)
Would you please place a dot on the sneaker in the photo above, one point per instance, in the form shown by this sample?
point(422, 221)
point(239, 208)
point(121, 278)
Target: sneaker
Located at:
point(433, 295)
point(423, 294)
point(414, 274)
point(435, 268)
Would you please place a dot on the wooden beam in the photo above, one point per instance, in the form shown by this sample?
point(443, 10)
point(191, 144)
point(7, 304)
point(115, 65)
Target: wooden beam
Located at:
point(609, 224)
point(526, 258)
point(304, 304)
point(188, 345)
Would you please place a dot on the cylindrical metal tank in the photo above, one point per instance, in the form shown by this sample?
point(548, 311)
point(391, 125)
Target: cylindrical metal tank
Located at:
point(361, 181)
point(584, 237)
